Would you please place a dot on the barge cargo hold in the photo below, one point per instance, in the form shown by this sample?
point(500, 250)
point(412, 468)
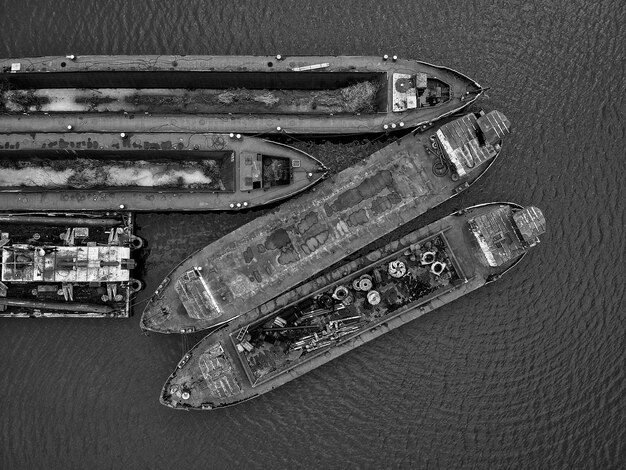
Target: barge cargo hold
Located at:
point(149, 172)
point(335, 313)
point(248, 94)
point(67, 265)
point(273, 253)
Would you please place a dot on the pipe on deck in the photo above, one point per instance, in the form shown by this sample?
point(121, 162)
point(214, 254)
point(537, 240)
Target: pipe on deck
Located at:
point(77, 307)
point(60, 221)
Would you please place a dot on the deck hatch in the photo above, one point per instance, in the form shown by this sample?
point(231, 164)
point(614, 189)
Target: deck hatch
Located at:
point(218, 373)
point(196, 296)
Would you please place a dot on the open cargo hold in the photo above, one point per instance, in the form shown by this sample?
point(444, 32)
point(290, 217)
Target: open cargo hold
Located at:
point(141, 172)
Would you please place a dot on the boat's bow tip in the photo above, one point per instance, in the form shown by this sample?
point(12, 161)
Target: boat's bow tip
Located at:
point(153, 322)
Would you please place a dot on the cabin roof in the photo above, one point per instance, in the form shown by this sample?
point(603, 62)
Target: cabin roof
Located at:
point(530, 222)
point(464, 144)
point(497, 236)
point(494, 126)
point(196, 296)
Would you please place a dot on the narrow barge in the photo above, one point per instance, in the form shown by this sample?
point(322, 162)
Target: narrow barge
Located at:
point(273, 253)
point(248, 94)
point(149, 172)
point(335, 313)
point(67, 265)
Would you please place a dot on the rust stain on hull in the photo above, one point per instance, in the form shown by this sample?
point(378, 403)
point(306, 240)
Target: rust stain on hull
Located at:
point(158, 171)
point(172, 93)
point(269, 255)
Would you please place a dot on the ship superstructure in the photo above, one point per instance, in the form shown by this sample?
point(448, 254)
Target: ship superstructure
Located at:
point(315, 95)
point(149, 171)
point(334, 313)
point(274, 252)
point(60, 265)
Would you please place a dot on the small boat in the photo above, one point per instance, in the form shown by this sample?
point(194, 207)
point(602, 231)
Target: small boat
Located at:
point(274, 252)
point(359, 301)
point(67, 265)
point(149, 172)
point(313, 95)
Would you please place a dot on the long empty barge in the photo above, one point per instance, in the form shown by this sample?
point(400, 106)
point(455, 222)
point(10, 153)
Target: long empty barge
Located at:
point(149, 172)
point(335, 313)
point(274, 252)
point(247, 94)
point(67, 265)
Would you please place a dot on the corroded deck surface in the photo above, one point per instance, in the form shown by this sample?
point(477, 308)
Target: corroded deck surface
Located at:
point(164, 146)
point(273, 253)
point(67, 265)
point(191, 387)
point(204, 63)
point(463, 92)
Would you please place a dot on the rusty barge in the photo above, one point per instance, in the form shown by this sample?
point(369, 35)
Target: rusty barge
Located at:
point(67, 265)
point(149, 172)
point(333, 314)
point(313, 95)
point(275, 252)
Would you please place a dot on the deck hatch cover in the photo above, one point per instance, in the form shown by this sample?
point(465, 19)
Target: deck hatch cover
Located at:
point(218, 373)
point(531, 223)
point(196, 297)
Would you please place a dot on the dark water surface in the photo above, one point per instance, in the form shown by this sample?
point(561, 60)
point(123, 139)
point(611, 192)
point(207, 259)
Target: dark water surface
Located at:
point(527, 372)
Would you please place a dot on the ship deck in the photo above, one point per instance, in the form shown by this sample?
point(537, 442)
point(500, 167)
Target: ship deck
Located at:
point(63, 265)
point(253, 95)
point(149, 172)
point(273, 253)
point(217, 372)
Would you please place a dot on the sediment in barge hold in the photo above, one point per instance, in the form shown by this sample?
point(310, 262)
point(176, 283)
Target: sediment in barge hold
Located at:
point(248, 94)
point(149, 172)
point(271, 254)
point(334, 313)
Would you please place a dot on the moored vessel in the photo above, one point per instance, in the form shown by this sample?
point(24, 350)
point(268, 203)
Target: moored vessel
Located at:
point(359, 301)
point(67, 265)
point(317, 95)
point(149, 172)
point(273, 253)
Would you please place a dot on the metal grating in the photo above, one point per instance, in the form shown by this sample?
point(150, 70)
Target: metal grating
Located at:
point(460, 141)
point(218, 373)
point(497, 236)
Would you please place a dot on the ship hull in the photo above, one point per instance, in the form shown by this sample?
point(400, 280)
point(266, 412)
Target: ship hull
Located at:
point(273, 253)
point(246, 379)
point(44, 171)
point(246, 94)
